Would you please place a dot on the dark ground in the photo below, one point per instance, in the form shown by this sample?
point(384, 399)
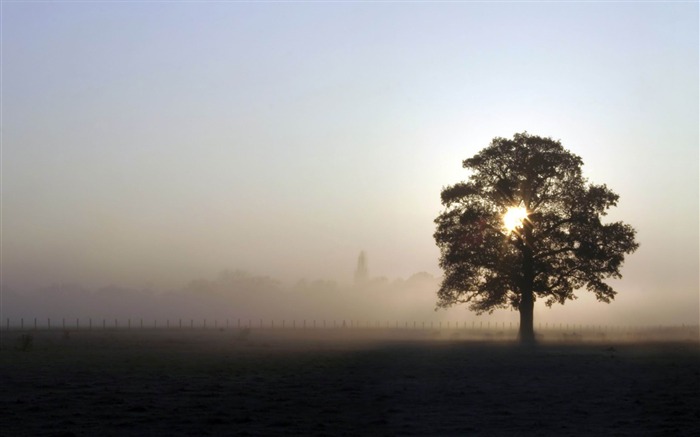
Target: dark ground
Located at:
point(334, 383)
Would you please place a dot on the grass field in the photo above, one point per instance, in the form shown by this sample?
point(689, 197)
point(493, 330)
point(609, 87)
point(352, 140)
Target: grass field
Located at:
point(345, 382)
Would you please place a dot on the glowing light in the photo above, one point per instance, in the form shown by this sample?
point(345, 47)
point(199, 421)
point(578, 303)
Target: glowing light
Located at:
point(513, 218)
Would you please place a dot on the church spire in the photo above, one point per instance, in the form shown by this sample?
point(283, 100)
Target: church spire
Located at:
point(361, 274)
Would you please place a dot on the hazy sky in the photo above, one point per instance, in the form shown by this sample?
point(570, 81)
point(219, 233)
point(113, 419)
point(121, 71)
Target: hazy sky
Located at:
point(159, 142)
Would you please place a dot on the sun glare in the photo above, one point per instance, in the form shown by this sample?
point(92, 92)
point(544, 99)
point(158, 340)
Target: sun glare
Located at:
point(513, 218)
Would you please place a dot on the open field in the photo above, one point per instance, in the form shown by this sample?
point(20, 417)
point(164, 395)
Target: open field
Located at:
point(346, 382)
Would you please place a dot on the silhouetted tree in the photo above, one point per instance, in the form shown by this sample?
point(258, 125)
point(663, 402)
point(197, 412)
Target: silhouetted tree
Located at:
point(556, 243)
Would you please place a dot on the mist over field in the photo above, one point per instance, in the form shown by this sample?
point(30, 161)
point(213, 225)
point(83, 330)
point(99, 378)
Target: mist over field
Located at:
point(235, 295)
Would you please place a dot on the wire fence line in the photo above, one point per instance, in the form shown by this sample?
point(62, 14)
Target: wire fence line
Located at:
point(240, 323)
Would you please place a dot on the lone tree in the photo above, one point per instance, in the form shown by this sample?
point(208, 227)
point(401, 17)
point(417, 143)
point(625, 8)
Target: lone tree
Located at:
point(527, 225)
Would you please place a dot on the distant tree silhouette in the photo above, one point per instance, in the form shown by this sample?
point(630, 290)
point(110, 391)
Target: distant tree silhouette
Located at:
point(554, 245)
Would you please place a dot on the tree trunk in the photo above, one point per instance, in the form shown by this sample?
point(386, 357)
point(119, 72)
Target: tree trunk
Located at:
point(526, 332)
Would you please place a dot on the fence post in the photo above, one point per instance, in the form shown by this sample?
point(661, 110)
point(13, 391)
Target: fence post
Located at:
point(77, 323)
point(8, 323)
point(90, 323)
point(104, 324)
point(63, 323)
point(35, 323)
point(48, 322)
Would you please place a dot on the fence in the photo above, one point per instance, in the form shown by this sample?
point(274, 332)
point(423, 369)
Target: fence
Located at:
point(104, 324)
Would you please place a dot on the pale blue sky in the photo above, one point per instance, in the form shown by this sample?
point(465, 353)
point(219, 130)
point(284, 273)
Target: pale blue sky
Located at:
point(158, 142)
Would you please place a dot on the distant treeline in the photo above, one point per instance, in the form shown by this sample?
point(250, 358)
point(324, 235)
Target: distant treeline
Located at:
point(232, 294)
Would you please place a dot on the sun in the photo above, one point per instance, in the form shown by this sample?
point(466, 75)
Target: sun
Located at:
point(513, 218)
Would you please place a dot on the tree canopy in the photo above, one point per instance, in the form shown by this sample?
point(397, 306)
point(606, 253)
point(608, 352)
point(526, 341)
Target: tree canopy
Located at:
point(560, 244)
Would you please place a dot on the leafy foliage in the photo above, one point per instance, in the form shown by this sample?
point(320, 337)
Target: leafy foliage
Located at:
point(562, 246)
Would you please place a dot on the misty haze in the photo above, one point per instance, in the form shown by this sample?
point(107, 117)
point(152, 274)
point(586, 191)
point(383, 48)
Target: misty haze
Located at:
point(401, 218)
point(235, 295)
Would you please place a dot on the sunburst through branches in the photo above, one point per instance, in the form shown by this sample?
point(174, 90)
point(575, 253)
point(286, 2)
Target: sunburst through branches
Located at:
point(514, 218)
